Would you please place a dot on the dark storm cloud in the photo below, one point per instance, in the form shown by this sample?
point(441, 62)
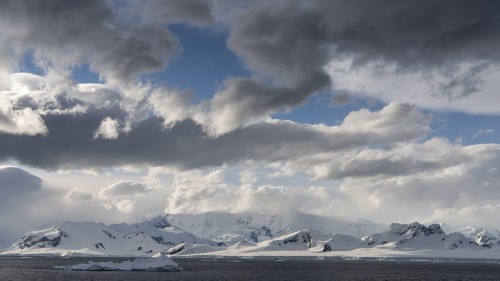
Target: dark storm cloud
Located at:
point(245, 101)
point(414, 34)
point(68, 33)
point(292, 41)
point(196, 12)
point(70, 143)
point(287, 44)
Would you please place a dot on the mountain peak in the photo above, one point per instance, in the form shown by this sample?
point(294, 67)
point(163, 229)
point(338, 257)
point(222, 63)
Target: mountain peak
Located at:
point(160, 221)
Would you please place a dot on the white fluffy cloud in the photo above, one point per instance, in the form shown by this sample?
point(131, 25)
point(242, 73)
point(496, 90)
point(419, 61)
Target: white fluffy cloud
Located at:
point(77, 195)
point(454, 177)
point(198, 191)
point(125, 206)
point(108, 129)
point(21, 122)
point(455, 90)
point(122, 189)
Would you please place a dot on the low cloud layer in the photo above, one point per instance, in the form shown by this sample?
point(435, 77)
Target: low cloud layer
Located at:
point(16, 182)
point(122, 189)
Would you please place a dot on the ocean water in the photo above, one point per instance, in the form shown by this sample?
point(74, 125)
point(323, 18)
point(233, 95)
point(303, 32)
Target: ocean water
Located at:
point(269, 270)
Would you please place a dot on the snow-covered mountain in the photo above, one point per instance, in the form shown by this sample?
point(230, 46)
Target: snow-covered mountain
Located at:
point(162, 232)
point(223, 234)
point(418, 236)
point(95, 239)
point(481, 236)
point(233, 228)
point(84, 238)
point(229, 228)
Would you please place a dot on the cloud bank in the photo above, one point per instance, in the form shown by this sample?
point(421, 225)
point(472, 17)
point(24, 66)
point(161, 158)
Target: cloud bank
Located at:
point(375, 163)
point(15, 182)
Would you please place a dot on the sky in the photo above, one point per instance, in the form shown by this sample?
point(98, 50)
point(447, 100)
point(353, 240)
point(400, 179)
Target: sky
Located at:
point(117, 111)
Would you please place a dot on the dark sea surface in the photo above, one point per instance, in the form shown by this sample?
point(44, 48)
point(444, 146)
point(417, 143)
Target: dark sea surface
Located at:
point(14, 268)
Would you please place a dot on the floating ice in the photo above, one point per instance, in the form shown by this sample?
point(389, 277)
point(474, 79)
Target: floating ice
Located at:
point(160, 263)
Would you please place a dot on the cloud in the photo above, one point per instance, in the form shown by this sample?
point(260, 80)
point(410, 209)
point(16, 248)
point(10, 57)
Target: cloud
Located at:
point(451, 176)
point(194, 12)
point(479, 215)
point(122, 189)
point(62, 36)
point(77, 195)
point(204, 191)
point(293, 46)
point(108, 129)
point(482, 132)
point(124, 205)
point(430, 88)
point(14, 182)
point(401, 159)
point(126, 197)
point(186, 145)
point(245, 101)
point(376, 164)
point(21, 122)
point(172, 106)
point(417, 181)
point(278, 42)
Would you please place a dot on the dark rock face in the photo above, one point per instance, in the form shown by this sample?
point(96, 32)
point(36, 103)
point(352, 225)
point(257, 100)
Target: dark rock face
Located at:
point(410, 231)
point(327, 247)
point(306, 239)
point(267, 231)
point(160, 222)
point(160, 240)
point(293, 239)
point(174, 250)
point(51, 242)
point(109, 234)
point(415, 229)
point(484, 241)
point(253, 237)
point(256, 231)
point(31, 240)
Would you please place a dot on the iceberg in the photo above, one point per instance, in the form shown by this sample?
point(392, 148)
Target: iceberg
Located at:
point(159, 263)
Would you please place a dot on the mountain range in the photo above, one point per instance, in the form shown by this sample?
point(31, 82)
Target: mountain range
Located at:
point(225, 234)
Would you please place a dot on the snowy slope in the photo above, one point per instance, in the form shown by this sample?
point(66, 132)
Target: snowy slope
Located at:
point(256, 236)
point(84, 238)
point(93, 239)
point(340, 242)
point(481, 236)
point(399, 241)
point(162, 232)
point(229, 228)
point(233, 228)
point(418, 236)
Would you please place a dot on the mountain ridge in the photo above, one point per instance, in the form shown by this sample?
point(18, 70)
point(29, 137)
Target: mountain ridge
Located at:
point(210, 233)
